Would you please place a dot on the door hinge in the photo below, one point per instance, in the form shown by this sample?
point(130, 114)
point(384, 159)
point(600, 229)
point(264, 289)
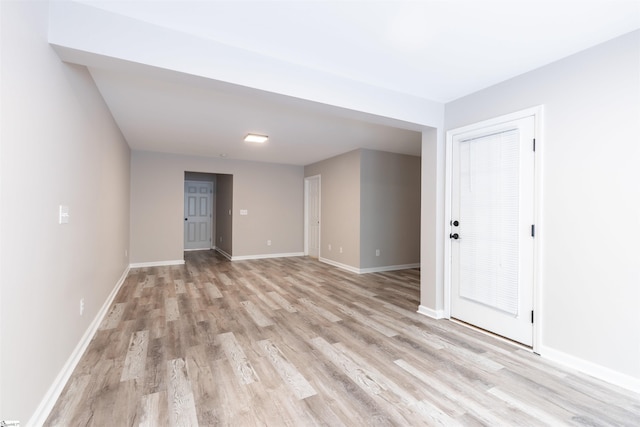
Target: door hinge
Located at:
point(534, 144)
point(531, 316)
point(533, 230)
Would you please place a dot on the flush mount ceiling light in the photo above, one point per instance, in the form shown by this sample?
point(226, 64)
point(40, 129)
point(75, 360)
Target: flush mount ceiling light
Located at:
point(252, 137)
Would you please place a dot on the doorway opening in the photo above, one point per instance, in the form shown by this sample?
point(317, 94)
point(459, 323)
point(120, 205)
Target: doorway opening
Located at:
point(208, 207)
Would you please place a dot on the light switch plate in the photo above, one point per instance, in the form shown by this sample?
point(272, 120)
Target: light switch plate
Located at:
point(63, 217)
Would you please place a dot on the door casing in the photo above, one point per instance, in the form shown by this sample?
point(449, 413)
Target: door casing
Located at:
point(306, 213)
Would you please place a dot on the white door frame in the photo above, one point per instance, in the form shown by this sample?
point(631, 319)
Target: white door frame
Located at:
point(306, 214)
point(537, 113)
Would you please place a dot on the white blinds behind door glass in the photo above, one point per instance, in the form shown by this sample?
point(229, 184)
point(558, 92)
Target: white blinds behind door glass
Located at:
point(489, 218)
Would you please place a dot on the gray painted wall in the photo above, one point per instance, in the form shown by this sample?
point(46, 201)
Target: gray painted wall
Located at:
point(60, 146)
point(591, 198)
point(339, 207)
point(224, 221)
point(389, 208)
point(369, 200)
point(432, 222)
point(199, 176)
point(271, 193)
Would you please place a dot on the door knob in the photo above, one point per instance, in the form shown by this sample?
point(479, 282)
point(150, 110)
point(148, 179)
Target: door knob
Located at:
point(454, 236)
point(456, 223)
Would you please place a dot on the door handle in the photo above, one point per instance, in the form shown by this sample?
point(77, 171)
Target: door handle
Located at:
point(454, 236)
point(185, 219)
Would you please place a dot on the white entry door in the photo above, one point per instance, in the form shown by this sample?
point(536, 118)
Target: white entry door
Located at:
point(492, 206)
point(312, 218)
point(198, 216)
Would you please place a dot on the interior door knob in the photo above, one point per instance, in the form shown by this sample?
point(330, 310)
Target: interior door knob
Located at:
point(454, 236)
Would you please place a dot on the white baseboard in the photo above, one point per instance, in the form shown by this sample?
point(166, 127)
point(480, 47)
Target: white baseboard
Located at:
point(52, 395)
point(264, 256)
point(593, 369)
point(370, 269)
point(156, 263)
point(197, 249)
point(261, 256)
point(388, 268)
point(429, 312)
point(223, 253)
point(339, 265)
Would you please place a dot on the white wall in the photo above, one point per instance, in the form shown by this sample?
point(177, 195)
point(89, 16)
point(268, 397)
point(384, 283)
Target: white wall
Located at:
point(271, 193)
point(590, 222)
point(59, 146)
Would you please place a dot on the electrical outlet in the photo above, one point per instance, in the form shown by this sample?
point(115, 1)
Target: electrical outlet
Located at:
point(126, 253)
point(329, 246)
point(340, 249)
point(377, 252)
point(268, 242)
point(81, 306)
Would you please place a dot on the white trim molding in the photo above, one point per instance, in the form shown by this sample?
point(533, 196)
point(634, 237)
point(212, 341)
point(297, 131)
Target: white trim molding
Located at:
point(388, 268)
point(593, 369)
point(156, 263)
point(369, 269)
point(264, 256)
point(339, 265)
point(223, 253)
point(49, 400)
point(306, 213)
point(259, 256)
point(429, 312)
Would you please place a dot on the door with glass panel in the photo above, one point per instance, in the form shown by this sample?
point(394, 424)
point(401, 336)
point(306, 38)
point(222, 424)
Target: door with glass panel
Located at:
point(492, 228)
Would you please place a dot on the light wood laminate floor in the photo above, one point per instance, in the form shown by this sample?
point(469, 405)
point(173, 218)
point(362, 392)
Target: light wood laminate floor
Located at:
point(293, 342)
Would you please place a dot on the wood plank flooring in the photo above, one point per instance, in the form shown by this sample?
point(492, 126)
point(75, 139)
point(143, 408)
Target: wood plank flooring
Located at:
point(293, 342)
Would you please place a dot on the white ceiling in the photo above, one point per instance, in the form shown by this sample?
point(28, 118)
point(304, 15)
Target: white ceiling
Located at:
point(208, 118)
point(438, 50)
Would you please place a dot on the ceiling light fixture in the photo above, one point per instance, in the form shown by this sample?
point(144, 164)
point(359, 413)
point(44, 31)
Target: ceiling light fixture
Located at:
point(252, 137)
